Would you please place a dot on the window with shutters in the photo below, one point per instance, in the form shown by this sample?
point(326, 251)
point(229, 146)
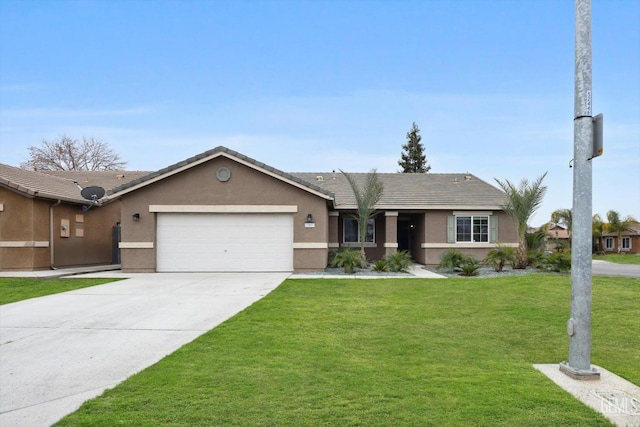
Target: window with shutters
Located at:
point(472, 229)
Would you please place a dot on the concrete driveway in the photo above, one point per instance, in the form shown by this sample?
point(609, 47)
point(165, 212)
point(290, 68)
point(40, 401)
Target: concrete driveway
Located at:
point(605, 268)
point(60, 350)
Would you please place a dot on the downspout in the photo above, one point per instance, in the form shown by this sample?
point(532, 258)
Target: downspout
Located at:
point(51, 252)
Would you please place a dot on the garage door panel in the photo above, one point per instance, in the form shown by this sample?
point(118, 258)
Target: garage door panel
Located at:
point(224, 242)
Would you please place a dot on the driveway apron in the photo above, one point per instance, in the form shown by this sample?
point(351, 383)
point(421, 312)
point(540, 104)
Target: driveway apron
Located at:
point(60, 350)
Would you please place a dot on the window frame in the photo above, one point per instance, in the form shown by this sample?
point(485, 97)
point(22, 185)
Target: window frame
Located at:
point(371, 223)
point(608, 243)
point(627, 240)
point(483, 221)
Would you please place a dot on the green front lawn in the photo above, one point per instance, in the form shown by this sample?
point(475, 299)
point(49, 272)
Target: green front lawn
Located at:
point(18, 289)
point(386, 352)
point(620, 258)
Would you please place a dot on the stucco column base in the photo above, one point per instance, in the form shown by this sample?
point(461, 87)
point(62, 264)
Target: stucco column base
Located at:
point(579, 374)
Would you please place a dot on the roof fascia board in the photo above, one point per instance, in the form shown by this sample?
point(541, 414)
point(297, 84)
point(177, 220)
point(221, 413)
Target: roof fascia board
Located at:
point(31, 194)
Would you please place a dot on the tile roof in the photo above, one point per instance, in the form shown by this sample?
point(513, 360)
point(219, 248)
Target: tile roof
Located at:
point(415, 191)
point(401, 191)
point(60, 185)
point(634, 230)
point(176, 167)
point(38, 184)
point(105, 179)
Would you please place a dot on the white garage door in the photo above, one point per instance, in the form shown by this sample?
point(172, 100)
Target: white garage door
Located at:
point(224, 242)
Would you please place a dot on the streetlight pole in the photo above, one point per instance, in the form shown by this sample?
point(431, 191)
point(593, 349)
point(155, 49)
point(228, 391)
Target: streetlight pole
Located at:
point(579, 325)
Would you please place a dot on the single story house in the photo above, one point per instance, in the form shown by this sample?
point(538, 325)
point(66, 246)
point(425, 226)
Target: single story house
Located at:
point(628, 243)
point(223, 211)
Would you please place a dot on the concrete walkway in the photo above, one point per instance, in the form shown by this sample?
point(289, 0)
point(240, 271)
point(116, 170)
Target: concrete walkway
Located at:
point(416, 271)
point(60, 350)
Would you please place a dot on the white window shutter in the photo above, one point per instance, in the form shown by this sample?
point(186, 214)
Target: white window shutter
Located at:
point(451, 229)
point(493, 229)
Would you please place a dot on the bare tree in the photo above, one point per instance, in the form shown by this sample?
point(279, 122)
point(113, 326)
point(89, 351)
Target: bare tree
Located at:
point(69, 154)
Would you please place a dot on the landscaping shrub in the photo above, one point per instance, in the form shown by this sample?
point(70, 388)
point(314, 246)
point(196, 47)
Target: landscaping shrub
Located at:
point(346, 258)
point(452, 260)
point(499, 256)
point(556, 261)
point(380, 266)
point(470, 266)
point(399, 261)
point(535, 257)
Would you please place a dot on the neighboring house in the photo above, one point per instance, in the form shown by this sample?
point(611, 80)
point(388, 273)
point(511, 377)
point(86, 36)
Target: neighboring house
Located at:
point(223, 211)
point(44, 222)
point(629, 241)
point(557, 236)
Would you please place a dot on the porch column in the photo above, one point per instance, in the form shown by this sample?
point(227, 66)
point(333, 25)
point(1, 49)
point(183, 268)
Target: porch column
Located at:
point(334, 238)
point(390, 233)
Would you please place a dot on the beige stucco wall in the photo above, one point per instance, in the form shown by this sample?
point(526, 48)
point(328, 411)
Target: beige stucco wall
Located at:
point(25, 221)
point(198, 185)
point(435, 227)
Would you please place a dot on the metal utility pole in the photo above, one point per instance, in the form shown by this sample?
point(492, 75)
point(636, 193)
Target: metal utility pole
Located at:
point(579, 325)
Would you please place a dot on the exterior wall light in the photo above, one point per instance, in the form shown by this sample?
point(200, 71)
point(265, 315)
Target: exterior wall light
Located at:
point(136, 217)
point(309, 222)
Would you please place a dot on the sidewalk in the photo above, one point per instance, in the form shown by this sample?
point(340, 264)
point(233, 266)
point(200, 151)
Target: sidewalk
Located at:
point(62, 272)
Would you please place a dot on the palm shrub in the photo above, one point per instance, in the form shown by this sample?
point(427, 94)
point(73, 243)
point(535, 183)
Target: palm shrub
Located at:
point(470, 266)
point(399, 261)
point(521, 202)
point(557, 261)
point(451, 260)
point(380, 266)
point(499, 256)
point(347, 258)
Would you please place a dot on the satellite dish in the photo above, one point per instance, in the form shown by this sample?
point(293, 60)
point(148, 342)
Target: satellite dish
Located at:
point(92, 193)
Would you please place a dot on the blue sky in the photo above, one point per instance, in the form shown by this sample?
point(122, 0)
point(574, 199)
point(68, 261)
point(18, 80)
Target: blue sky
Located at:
point(327, 84)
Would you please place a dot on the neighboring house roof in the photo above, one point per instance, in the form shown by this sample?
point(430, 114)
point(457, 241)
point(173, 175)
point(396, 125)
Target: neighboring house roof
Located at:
point(634, 230)
point(209, 155)
point(38, 184)
point(553, 230)
point(105, 179)
point(59, 185)
point(415, 190)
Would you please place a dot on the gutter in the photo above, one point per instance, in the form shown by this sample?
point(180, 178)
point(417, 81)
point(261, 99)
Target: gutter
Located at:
point(51, 245)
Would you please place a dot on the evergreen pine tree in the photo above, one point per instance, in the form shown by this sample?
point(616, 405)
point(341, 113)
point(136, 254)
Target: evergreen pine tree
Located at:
point(412, 158)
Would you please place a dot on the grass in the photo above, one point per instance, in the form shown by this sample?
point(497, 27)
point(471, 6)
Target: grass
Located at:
point(620, 258)
point(18, 289)
point(384, 352)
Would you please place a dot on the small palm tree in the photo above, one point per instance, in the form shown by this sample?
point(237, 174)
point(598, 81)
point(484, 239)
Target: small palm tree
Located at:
point(618, 225)
point(367, 194)
point(522, 202)
point(500, 256)
point(598, 227)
